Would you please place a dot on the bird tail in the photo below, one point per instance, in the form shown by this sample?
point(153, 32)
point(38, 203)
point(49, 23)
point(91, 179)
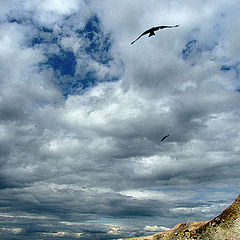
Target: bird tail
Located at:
point(151, 34)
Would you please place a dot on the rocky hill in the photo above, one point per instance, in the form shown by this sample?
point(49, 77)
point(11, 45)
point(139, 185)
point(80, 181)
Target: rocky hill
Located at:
point(226, 226)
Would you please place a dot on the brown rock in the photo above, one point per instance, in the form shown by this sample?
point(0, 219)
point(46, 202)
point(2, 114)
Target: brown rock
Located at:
point(226, 226)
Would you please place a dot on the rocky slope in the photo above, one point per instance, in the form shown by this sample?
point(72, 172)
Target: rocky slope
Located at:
point(226, 226)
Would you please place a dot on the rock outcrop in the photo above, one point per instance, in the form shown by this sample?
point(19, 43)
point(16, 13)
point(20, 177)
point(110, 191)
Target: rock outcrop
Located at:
point(226, 226)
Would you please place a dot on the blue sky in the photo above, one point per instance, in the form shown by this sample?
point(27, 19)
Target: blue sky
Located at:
point(83, 112)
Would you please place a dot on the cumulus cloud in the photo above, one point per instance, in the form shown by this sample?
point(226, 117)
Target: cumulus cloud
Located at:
point(156, 228)
point(50, 12)
point(114, 231)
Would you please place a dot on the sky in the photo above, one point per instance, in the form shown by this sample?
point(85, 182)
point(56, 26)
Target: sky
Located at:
point(83, 112)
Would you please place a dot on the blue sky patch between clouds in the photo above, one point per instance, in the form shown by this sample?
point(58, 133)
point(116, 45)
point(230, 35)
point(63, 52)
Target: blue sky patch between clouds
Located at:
point(64, 62)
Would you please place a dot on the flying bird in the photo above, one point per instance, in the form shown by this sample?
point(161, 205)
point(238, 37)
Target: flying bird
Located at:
point(165, 137)
point(152, 30)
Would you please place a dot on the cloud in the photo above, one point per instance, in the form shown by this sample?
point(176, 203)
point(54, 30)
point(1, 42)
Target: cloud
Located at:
point(47, 13)
point(156, 228)
point(64, 234)
point(114, 231)
point(83, 112)
point(14, 231)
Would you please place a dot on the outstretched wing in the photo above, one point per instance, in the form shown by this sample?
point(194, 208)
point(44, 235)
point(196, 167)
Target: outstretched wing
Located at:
point(165, 137)
point(144, 33)
point(136, 39)
point(161, 27)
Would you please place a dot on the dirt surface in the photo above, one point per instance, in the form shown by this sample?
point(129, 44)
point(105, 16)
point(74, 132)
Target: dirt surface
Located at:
point(226, 226)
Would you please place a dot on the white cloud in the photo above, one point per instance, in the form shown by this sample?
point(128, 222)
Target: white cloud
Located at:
point(100, 153)
point(14, 231)
point(59, 6)
point(64, 234)
point(147, 194)
point(50, 12)
point(17, 230)
point(156, 228)
point(114, 231)
point(72, 43)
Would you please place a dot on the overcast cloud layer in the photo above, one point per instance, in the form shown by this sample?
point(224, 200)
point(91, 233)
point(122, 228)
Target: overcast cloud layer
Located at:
point(83, 112)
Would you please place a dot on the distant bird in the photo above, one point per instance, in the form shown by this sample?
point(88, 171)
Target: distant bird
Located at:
point(152, 30)
point(165, 137)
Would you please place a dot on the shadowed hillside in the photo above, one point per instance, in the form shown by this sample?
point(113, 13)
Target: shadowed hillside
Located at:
point(226, 226)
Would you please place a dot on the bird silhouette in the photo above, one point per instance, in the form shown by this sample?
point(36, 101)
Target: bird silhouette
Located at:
point(152, 30)
point(165, 137)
